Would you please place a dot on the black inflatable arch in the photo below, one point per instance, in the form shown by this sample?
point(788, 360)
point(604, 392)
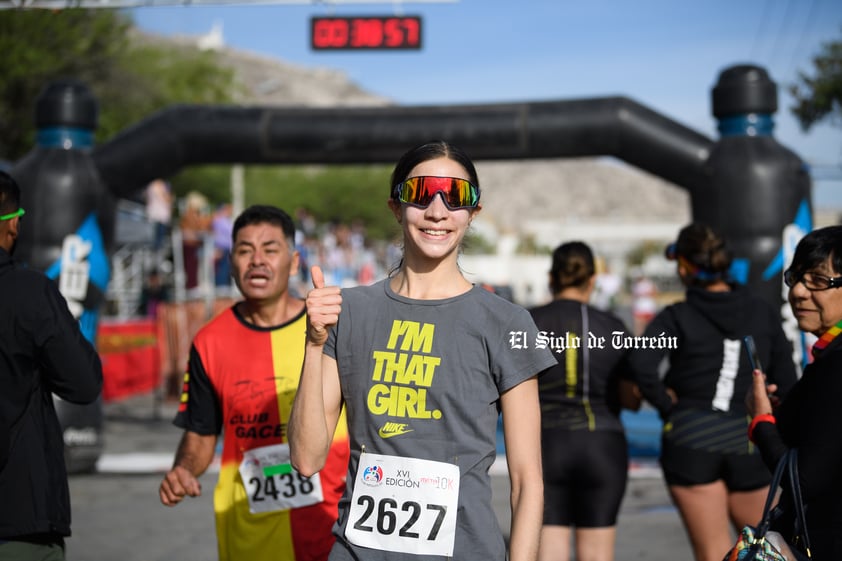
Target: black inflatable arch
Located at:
point(186, 135)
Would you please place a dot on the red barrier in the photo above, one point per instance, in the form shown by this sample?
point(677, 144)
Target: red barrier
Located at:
point(130, 357)
point(141, 355)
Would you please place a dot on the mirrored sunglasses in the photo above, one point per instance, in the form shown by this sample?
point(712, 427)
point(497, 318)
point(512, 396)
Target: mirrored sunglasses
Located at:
point(419, 191)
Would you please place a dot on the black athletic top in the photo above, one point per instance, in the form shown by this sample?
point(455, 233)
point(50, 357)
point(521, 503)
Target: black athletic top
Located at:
point(42, 352)
point(581, 391)
point(709, 369)
point(809, 419)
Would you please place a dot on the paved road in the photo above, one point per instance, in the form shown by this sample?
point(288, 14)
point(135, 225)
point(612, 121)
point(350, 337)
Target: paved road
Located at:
point(117, 515)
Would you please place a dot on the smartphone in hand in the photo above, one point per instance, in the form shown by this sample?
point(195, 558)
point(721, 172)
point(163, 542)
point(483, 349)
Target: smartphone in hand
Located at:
point(754, 359)
point(753, 355)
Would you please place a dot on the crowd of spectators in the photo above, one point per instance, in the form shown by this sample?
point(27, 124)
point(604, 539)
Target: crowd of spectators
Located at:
point(345, 253)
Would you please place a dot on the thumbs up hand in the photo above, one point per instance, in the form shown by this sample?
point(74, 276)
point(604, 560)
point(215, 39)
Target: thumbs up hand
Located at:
point(323, 306)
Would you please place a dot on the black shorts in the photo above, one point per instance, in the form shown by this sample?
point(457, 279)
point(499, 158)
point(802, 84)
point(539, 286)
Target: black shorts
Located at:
point(699, 447)
point(585, 475)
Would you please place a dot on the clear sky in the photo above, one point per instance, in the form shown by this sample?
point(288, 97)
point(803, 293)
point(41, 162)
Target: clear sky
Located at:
point(664, 54)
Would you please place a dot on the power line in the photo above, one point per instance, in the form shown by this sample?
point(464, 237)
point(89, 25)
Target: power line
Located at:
point(764, 18)
point(826, 172)
point(781, 32)
point(808, 24)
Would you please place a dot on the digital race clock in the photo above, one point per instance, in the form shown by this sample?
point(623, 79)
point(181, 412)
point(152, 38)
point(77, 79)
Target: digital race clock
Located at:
point(365, 32)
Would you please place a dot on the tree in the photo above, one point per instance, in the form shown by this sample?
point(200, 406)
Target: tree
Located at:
point(149, 76)
point(134, 75)
point(332, 193)
point(820, 95)
point(129, 76)
point(39, 46)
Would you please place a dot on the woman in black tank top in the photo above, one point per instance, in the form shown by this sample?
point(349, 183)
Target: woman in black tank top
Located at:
point(583, 443)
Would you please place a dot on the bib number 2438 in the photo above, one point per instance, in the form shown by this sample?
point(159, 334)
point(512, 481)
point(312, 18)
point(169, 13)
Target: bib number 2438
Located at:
point(272, 483)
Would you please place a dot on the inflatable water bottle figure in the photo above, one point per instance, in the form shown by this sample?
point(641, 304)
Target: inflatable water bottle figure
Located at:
point(69, 235)
point(759, 192)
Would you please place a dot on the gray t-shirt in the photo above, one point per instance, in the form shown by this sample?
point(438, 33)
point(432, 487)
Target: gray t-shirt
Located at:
point(422, 379)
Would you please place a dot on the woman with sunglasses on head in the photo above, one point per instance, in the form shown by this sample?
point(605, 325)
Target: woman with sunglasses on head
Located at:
point(423, 362)
point(714, 474)
point(584, 448)
point(808, 418)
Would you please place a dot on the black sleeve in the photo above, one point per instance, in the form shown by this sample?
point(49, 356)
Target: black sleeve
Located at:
point(808, 419)
point(69, 365)
point(772, 438)
point(199, 410)
point(770, 444)
point(644, 364)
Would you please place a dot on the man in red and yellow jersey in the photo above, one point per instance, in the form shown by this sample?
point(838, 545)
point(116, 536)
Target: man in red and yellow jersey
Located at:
point(241, 380)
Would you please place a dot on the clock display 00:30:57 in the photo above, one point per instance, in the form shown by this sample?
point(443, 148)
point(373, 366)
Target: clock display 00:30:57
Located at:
point(365, 32)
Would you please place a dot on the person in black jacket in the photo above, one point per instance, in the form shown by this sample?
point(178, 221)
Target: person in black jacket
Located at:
point(42, 352)
point(808, 418)
point(713, 472)
point(583, 443)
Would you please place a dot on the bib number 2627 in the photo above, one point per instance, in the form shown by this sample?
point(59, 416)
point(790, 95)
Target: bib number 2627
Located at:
point(386, 515)
point(404, 504)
